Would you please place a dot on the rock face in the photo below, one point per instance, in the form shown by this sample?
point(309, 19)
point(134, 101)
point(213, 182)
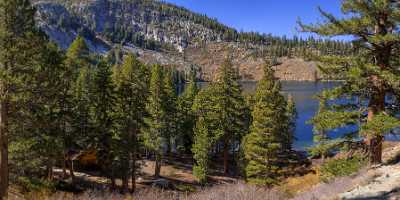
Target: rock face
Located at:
point(212, 55)
point(144, 26)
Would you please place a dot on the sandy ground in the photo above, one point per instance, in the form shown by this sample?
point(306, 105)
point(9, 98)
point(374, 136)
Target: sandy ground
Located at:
point(379, 182)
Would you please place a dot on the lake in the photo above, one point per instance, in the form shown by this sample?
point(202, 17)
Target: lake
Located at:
point(303, 93)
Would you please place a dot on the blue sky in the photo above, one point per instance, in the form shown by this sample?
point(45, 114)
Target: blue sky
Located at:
point(277, 17)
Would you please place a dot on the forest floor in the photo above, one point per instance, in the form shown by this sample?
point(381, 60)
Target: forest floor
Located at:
point(379, 182)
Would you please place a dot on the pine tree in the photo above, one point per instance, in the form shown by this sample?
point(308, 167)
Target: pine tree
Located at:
point(155, 133)
point(131, 85)
point(17, 49)
point(223, 112)
point(232, 108)
point(186, 115)
point(369, 76)
point(323, 141)
point(104, 120)
point(170, 107)
point(79, 107)
point(291, 115)
point(75, 103)
point(78, 54)
point(202, 144)
point(207, 130)
point(44, 111)
point(264, 145)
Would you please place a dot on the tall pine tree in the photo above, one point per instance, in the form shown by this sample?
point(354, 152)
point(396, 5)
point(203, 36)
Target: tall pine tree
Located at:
point(370, 76)
point(170, 107)
point(104, 101)
point(186, 116)
point(18, 35)
point(231, 107)
point(156, 121)
point(266, 141)
point(207, 130)
point(131, 84)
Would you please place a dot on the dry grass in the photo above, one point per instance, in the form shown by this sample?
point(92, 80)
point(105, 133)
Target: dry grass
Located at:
point(304, 183)
point(238, 191)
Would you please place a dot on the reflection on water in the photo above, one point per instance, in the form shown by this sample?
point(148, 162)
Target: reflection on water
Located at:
point(303, 94)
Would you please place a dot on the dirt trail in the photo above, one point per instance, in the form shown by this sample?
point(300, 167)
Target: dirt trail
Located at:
point(380, 182)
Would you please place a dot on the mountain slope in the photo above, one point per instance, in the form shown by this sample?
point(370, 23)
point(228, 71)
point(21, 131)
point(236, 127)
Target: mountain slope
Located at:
point(160, 32)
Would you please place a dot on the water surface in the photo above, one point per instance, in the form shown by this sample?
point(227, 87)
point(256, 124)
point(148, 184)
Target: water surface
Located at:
point(303, 93)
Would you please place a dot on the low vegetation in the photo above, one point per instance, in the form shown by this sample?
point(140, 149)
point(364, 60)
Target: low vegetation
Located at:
point(341, 167)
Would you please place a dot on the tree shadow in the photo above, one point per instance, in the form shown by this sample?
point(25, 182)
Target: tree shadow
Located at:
point(383, 196)
point(394, 160)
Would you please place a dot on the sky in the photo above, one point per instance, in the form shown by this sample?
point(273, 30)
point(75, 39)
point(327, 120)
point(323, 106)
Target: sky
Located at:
point(277, 17)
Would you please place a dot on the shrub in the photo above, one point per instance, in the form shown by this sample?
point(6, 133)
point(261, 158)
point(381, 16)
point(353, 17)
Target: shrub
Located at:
point(340, 167)
point(34, 184)
point(298, 184)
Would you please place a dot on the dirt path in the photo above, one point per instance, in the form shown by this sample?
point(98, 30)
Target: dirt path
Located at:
point(381, 182)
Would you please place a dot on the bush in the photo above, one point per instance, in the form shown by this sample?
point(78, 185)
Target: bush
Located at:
point(340, 167)
point(34, 184)
point(298, 184)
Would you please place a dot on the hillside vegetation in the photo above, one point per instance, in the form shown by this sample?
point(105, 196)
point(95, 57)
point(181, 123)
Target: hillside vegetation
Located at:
point(167, 34)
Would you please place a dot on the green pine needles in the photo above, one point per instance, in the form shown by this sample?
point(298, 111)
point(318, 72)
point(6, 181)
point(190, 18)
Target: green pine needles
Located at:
point(269, 141)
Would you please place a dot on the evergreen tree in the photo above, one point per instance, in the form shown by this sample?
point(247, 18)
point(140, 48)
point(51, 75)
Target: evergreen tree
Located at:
point(155, 132)
point(82, 90)
point(131, 85)
point(369, 76)
point(264, 145)
point(186, 116)
point(201, 147)
point(81, 125)
point(323, 141)
point(77, 101)
point(223, 112)
point(291, 115)
point(206, 131)
point(170, 107)
point(18, 37)
point(104, 105)
point(77, 54)
point(232, 108)
point(45, 114)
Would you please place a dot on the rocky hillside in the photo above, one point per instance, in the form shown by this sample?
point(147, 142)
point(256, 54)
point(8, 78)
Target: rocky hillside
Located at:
point(163, 33)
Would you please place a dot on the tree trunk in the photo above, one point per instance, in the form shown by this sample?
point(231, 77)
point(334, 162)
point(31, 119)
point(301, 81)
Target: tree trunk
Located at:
point(157, 168)
point(125, 182)
point(376, 105)
point(133, 172)
point(133, 132)
point(110, 170)
point(3, 150)
point(64, 165)
point(113, 184)
point(49, 170)
point(375, 150)
point(226, 156)
point(71, 170)
point(169, 148)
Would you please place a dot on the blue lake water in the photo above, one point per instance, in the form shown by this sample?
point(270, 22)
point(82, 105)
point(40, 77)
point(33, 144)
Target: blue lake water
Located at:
point(303, 94)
